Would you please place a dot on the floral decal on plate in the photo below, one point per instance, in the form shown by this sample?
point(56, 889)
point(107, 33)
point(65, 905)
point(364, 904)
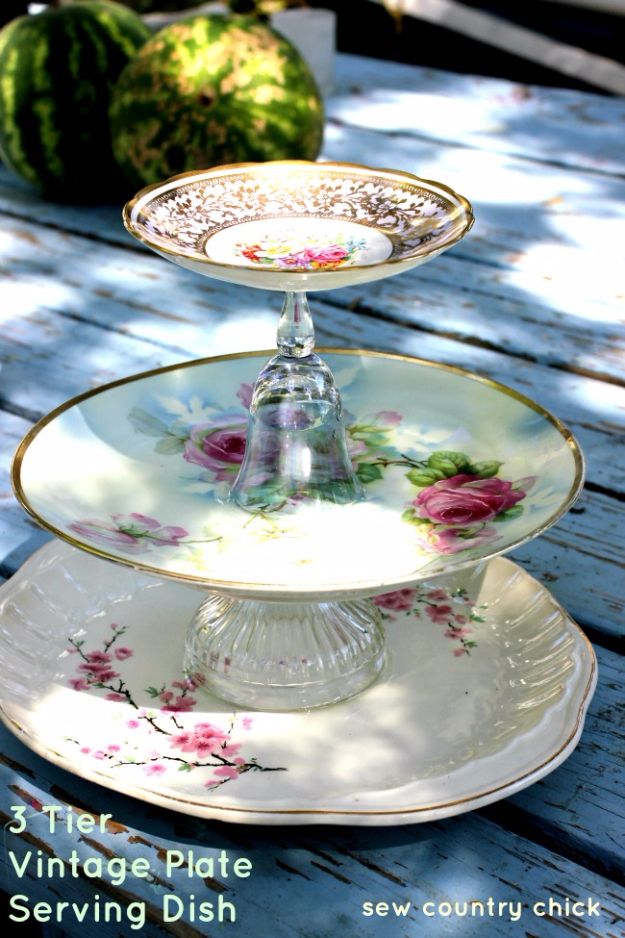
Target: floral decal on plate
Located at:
point(455, 610)
point(213, 437)
point(134, 533)
point(458, 502)
point(305, 255)
point(159, 740)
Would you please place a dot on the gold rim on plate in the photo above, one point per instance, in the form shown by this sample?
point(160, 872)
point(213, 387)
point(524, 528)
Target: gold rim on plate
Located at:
point(212, 811)
point(235, 587)
point(228, 168)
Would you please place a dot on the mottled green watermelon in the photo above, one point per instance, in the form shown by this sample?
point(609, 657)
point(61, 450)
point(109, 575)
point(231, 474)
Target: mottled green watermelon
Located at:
point(57, 70)
point(209, 90)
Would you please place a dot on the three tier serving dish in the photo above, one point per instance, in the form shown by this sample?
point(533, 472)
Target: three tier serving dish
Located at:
point(305, 549)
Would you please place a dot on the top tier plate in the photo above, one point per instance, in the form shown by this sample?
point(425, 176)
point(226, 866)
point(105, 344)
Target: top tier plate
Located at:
point(456, 469)
point(293, 225)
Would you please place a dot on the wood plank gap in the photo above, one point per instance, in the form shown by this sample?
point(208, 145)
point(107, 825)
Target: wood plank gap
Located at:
point(602, 490)
point(393, 319)
point(18, 411)
point(509, 817)
point(127, 245)
point(615, 643)
point(107, 327)
point(454, 145)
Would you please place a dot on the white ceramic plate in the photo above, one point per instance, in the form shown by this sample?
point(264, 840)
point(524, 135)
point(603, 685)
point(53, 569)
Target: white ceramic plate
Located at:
point(456, 469)
point(482, 696)
point(296, 225)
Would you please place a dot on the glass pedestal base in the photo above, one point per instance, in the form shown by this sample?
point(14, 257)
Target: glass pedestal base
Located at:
point(285, 655)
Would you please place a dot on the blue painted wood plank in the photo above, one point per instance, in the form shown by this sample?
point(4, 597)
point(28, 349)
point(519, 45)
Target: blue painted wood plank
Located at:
point(146, 298)
point(19, 535)
point(582, 803)
point(549, 310)
point(572, 128)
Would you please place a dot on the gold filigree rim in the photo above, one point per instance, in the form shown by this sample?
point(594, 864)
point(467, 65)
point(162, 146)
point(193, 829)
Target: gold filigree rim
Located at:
point(215, 811)
point(237, 588)
point(308, 166)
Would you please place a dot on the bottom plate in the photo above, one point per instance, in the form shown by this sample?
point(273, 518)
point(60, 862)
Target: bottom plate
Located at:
point(482, 695)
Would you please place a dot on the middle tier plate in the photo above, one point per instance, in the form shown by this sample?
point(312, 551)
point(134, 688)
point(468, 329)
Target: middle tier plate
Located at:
point(456, 469)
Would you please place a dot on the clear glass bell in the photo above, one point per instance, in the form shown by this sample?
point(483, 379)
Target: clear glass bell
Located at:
point(296, 445)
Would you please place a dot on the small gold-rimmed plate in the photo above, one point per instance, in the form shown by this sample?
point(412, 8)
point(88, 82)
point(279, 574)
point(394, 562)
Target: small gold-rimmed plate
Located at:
point(485, 692)
point(295, 225)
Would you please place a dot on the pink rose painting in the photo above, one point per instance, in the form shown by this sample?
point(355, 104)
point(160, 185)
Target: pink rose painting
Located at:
point(459, 501)
point(219, 449)
point(466, 499)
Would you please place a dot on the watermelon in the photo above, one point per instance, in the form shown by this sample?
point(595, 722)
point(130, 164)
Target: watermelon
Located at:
point(209, 90)
point(57, 69)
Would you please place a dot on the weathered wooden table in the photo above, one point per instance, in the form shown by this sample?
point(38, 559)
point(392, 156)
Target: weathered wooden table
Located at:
point(534, 298)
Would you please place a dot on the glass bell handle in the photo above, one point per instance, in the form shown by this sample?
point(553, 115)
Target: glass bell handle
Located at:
point(296, 332)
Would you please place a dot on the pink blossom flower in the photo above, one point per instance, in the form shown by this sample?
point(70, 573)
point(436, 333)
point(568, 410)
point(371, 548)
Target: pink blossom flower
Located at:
point(460, 619)
point(103, 676)
point(132, 724)
point(117, 697)
point(438, 614)
point(230, 749)
point(180, 705)
point(98, 657)
point(218, 448)
point(247, 723)
point(466, 499)
point(204, 740)
point(226, 771)
point(113, 747)
point(99, 754)
point(155, 768)
point(189, 683)
point(98, 672)
point(122, 653)
point(182, 741)
point(166, 696)
point(452, 540)
point(398, 600)
point(456, 633)
point(458, 652)
point(85, 750)
point(388, 417)
point(79, 683)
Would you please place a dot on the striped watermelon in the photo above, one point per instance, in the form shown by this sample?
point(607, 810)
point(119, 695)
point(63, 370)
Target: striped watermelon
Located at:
point(213, 89)
point(57, 69)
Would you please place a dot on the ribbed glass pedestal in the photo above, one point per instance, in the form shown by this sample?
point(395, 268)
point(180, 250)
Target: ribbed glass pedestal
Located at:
point(283, 655)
